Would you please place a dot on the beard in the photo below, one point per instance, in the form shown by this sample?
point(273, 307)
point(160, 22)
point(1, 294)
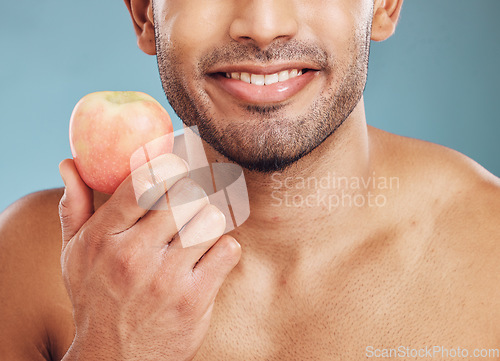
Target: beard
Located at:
point(269, 140)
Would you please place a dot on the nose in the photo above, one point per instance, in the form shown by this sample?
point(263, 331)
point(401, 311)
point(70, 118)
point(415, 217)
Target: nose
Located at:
point(261, 22)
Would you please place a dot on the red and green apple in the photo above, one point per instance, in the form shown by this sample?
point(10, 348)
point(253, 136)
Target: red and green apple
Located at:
point(108, 129)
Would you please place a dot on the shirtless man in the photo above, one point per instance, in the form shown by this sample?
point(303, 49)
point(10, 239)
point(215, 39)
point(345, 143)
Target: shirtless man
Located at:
point(416, 269)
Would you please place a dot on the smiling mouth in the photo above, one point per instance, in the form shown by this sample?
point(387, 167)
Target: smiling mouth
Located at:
point(264, 79)
point(257, 85)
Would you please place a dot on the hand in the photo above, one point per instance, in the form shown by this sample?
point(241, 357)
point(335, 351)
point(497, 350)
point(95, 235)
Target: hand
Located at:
point(137, 294)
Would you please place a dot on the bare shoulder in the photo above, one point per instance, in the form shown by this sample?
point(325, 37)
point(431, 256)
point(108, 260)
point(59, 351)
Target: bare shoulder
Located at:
point(33, 298)
point(455, 185)
point(461, 196)
point(451, 180)
point(457, 201)
point(34, 212)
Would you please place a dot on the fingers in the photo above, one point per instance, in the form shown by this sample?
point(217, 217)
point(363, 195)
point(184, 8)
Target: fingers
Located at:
point(206, 226)
point(216, 264)
point(185, 199)
point(196, 238)
point(77, 204)
point(140, 191)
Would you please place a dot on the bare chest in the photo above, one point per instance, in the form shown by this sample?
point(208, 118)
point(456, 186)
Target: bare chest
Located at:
point(358, 316)
point(352, 312)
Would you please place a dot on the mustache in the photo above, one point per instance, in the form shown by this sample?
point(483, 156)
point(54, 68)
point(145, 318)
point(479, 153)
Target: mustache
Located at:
point(291, 50)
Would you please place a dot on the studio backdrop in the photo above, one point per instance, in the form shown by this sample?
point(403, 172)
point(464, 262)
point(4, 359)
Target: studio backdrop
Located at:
point(436, 79)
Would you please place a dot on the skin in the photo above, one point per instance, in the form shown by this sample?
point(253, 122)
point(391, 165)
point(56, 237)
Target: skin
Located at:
point(263, 137)
point(310, 283)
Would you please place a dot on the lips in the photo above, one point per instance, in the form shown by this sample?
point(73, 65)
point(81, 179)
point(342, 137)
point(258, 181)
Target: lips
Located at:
point(261, 85)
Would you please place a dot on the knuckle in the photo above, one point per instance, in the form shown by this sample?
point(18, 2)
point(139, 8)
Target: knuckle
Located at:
point(142, 179)
point(63, 206)
point(186, 304)
point(168, 168)
point(227, 252)
point(143, 184)
point(188, 190)
point(150, 181)
point(91, 239)
point(114, 212)
point(203, 279)
point(159, 285)
point(63, 209)
point(231, 250)
point(156, 288)
point(125, 264)
point(230, 245)
point(214, 214)
point(179, 163)
point(189, 299)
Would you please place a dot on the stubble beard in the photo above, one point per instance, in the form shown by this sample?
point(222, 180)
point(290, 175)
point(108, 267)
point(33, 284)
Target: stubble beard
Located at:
point(270, 141)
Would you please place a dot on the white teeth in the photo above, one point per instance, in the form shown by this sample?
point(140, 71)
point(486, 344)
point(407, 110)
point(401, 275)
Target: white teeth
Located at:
point(271, 79)
point(245, 77)
point(259, 79)
point(283, 75)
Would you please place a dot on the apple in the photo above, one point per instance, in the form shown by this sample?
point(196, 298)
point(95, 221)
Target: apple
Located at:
point(111, 133)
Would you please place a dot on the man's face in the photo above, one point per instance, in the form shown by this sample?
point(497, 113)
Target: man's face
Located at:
point(263, 127)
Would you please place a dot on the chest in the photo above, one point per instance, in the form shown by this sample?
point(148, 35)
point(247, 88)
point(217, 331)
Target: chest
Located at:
point(356, 314)
point(348, 312)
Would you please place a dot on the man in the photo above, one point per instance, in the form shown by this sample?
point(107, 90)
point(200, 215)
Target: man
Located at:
point(359, 243)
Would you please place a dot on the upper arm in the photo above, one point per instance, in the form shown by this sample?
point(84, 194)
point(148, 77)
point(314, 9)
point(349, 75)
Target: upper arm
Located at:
point(471, 224)
point(30, 282)
point(463, 200)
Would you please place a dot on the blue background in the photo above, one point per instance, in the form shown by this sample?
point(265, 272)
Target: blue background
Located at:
point(436, 79)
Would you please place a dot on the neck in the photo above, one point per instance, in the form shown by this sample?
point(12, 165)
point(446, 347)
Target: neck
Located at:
point(292, 210)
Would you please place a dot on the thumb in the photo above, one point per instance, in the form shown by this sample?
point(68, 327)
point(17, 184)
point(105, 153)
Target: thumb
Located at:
point(77, 203)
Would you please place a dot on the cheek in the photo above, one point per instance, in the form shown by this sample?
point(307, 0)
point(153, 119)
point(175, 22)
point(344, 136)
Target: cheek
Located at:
point(337, 23)
point(194, 27)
